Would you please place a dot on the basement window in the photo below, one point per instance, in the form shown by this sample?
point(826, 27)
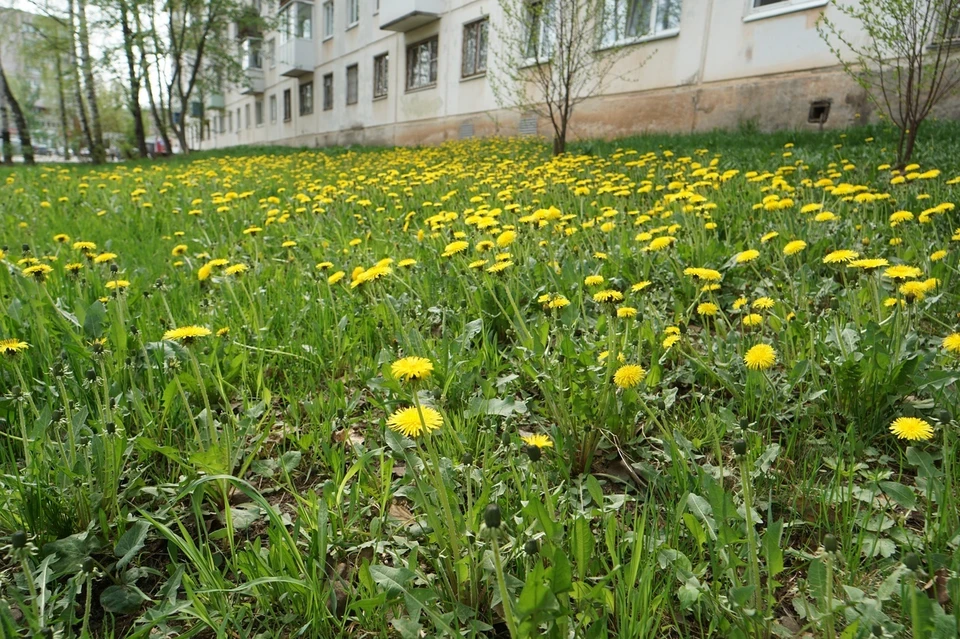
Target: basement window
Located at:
point(819, 111)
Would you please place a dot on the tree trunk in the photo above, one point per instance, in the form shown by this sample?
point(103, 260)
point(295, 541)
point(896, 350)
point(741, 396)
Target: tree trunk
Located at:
point(77, 88)
point(26, 146)
point(155, 110)
point(909, 141)
point(135, 109)
point(97, 152)
point(62, 100)
point(5, 131)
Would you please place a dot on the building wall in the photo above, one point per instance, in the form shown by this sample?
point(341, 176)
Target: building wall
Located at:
point(726, 65)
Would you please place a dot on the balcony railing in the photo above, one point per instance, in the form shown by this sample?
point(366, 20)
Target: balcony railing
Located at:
point(296, 57)
point(406, 15)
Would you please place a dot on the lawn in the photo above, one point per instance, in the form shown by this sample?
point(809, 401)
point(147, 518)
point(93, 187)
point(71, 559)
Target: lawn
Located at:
point(696, 386)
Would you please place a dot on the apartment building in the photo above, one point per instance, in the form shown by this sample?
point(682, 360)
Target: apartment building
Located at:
point(340, 72)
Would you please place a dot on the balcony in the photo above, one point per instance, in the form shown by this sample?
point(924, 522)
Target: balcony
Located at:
point(216, 101)
point(295, 51)
point(295, 57)
point(407, 15)
point(251, 61)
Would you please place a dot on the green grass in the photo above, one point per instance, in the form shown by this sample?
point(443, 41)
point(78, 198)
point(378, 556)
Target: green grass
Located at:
point(247, 483)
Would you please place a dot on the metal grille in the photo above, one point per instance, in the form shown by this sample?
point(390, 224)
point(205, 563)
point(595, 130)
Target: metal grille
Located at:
point(466, 130)
point(528, 124)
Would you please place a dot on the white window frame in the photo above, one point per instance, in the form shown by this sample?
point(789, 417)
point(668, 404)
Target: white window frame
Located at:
point(329, 13)
point(481, 35)
point(273, 108)
point(545, 33)
point(615, 14)
point(353, 13)
point(381, 70)
point(754, 11)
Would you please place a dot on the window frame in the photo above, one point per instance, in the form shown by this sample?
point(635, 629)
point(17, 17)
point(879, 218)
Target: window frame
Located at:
point(287, 105)
point(328, 19)
point(541, 22)
point(651, 29)
point(483, 27)
point(305, 107)
point(353, 11)
point(258, 112)
point(274, 111)
point(355, 67)
point(328, 91)
point(753, 11)
point(434, 70)
point(381, 60)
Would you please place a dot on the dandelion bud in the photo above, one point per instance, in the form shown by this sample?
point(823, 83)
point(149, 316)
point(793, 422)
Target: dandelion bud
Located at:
point(505, 438)
point(91, 375)
point(87, 565)
point(740, 447)
point(16, 392)
point(114, 268)
point(26, 248)
point(467, 458)
point(830, 543)
point(491, 516)
point(945, 417)
point(111, 428)
point(532, 547)
point(877, 630)
point(18, 540)
point(911, 561)
point(56, 416)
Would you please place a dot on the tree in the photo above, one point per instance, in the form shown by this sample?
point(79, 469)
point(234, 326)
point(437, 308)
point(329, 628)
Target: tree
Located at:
point(98, 152)
point(904, 64)
point(554, 54)
point(23, 129)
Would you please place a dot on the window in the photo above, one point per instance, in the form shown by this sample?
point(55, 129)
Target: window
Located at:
point(250, 54)
point(223, 124)
point(381, 82)
point(239, 121)
point(306, 98)
point(626, 20)
point(258, 112)
point(273, 108)
point(246, 114)
point(230, 121)
point(287, 106)
point(474, 48)
point(422, 64)
point(295, 20)
point(271, 52)
point(353, 13)
point(328, 19)
point(353, 84)
point(328, 92)
point(539, 40)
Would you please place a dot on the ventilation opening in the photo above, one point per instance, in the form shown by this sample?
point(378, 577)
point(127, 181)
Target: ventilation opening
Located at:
point(528, 124)
point(466, 130)
point(819, 111)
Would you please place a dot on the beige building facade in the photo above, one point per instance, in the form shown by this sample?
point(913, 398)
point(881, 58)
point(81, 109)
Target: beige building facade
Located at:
point(385, 72)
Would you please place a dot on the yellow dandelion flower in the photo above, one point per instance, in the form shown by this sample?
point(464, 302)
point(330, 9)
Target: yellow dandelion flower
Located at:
point(707, 308)
point(537, 439)
point(747, 256)
point(911, 428)
point(952, 343)
point(840, 256)
point(760, 357)
point(902, 272)
point(414, 422)
point(794, 247)
point(410, 369)
point(629, 376)
point(608, 296)
point(186, 334)
point(12, 347)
